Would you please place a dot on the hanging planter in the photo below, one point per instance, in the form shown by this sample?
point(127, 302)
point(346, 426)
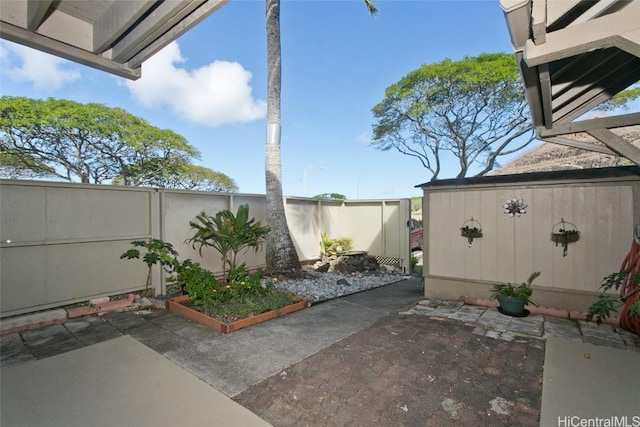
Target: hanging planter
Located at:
point(471, 229)
point(564, 233)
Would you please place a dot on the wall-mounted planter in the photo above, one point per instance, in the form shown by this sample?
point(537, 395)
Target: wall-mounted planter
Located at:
point(471, 229)
point(174, 305)
point(564, 233)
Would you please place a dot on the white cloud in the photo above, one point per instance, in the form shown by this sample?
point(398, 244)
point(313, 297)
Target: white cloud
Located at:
point(42, 70)
point(212, 95)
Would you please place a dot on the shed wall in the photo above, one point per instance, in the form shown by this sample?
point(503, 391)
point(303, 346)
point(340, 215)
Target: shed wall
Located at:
point(512, 248)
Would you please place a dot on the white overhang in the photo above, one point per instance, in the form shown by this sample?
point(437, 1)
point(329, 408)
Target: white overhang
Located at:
point(574, 55)
point(116, 36)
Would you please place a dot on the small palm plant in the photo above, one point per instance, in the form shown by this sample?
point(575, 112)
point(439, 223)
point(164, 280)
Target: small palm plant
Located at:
point(228, 234)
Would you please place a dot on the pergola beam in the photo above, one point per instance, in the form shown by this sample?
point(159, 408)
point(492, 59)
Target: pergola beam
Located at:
point(579, 144)
point(590, 124)
point(63, 50)
point(602, 32)
point(177, 30)
point(116, 20)
point(36, 13)
point(617, 143)
point(160, 20)
point(630, 42)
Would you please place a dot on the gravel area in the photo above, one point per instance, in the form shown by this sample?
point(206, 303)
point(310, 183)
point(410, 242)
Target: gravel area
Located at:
point(325, 286)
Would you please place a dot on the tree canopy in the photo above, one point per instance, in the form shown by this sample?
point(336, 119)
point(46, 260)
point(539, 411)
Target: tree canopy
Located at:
point(334, 196)
point(93, 143)
point(472, 110)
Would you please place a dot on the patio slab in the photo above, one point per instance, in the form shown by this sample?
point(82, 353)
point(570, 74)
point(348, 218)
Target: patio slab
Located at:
point(588, 382)
point(114, 383)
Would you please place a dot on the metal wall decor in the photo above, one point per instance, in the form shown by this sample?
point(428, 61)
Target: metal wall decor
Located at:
point(515, 207)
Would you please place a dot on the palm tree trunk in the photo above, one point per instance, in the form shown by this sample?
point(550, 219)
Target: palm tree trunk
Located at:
point(281, 255)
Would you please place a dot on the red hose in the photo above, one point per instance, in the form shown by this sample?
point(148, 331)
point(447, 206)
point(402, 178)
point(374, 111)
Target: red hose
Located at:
point(629, 291)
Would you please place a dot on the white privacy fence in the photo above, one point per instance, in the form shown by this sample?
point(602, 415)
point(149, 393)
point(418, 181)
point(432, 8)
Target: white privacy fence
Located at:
point(61, 243)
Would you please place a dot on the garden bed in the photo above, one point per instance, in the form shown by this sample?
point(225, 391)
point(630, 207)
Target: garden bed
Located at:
point(178, 305)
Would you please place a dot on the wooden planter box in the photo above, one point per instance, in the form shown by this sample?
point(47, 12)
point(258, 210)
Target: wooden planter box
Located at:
point(174, 305)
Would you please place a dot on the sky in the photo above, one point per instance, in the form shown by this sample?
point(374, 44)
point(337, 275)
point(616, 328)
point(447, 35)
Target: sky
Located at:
point(210, 87)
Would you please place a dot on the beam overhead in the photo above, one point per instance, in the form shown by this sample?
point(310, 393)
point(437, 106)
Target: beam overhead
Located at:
point(573, 56)
point(612, 122)
point(617, 144)
point(595, 34)
point(116, 20)
point(36, 13)
point(104, 34)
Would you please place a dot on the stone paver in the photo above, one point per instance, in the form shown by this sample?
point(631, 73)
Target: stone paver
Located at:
point(565, 329)
point(49, 341)
point(124, 320)
point(468, 313)
point(495, 320)
point(92, 329)
point(13, 351)
point(445, 376)
point(491, 323)
point(532, 325)
point(603, 334)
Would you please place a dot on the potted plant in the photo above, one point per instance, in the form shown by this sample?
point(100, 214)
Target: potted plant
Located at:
point(513, 297)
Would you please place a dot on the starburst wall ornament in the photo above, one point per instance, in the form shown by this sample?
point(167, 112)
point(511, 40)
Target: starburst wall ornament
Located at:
point(515, 207)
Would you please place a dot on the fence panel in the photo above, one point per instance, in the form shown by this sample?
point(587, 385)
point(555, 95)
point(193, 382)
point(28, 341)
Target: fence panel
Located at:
point(61, 243)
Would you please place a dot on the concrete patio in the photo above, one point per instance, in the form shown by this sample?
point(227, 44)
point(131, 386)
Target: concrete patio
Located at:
point(344, 362)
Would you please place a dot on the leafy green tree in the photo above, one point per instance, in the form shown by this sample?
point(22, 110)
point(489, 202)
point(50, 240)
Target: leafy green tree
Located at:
point(621, 99)
point(334, 196)
point(93, 143)
point(280, 253)
point(473, 109)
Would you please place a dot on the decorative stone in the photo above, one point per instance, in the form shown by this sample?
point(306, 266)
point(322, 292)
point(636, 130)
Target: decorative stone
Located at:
point(348, 263)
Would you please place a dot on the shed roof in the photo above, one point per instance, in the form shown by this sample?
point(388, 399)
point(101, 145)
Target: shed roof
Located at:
point(574, 55)
point(116, 36)
point(561, 175)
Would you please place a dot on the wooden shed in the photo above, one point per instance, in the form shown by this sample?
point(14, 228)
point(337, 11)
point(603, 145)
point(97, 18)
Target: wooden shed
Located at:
point(602, 204)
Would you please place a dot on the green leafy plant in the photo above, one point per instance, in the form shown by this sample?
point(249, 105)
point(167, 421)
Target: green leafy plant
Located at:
point(228, 234)
point(251, 304)
point(413, 261)
point(158, 251)
point(470, 233)
point(608, 303)
point(329, 246)
point(564, 237)
point(238, 293)
point(522, 290)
